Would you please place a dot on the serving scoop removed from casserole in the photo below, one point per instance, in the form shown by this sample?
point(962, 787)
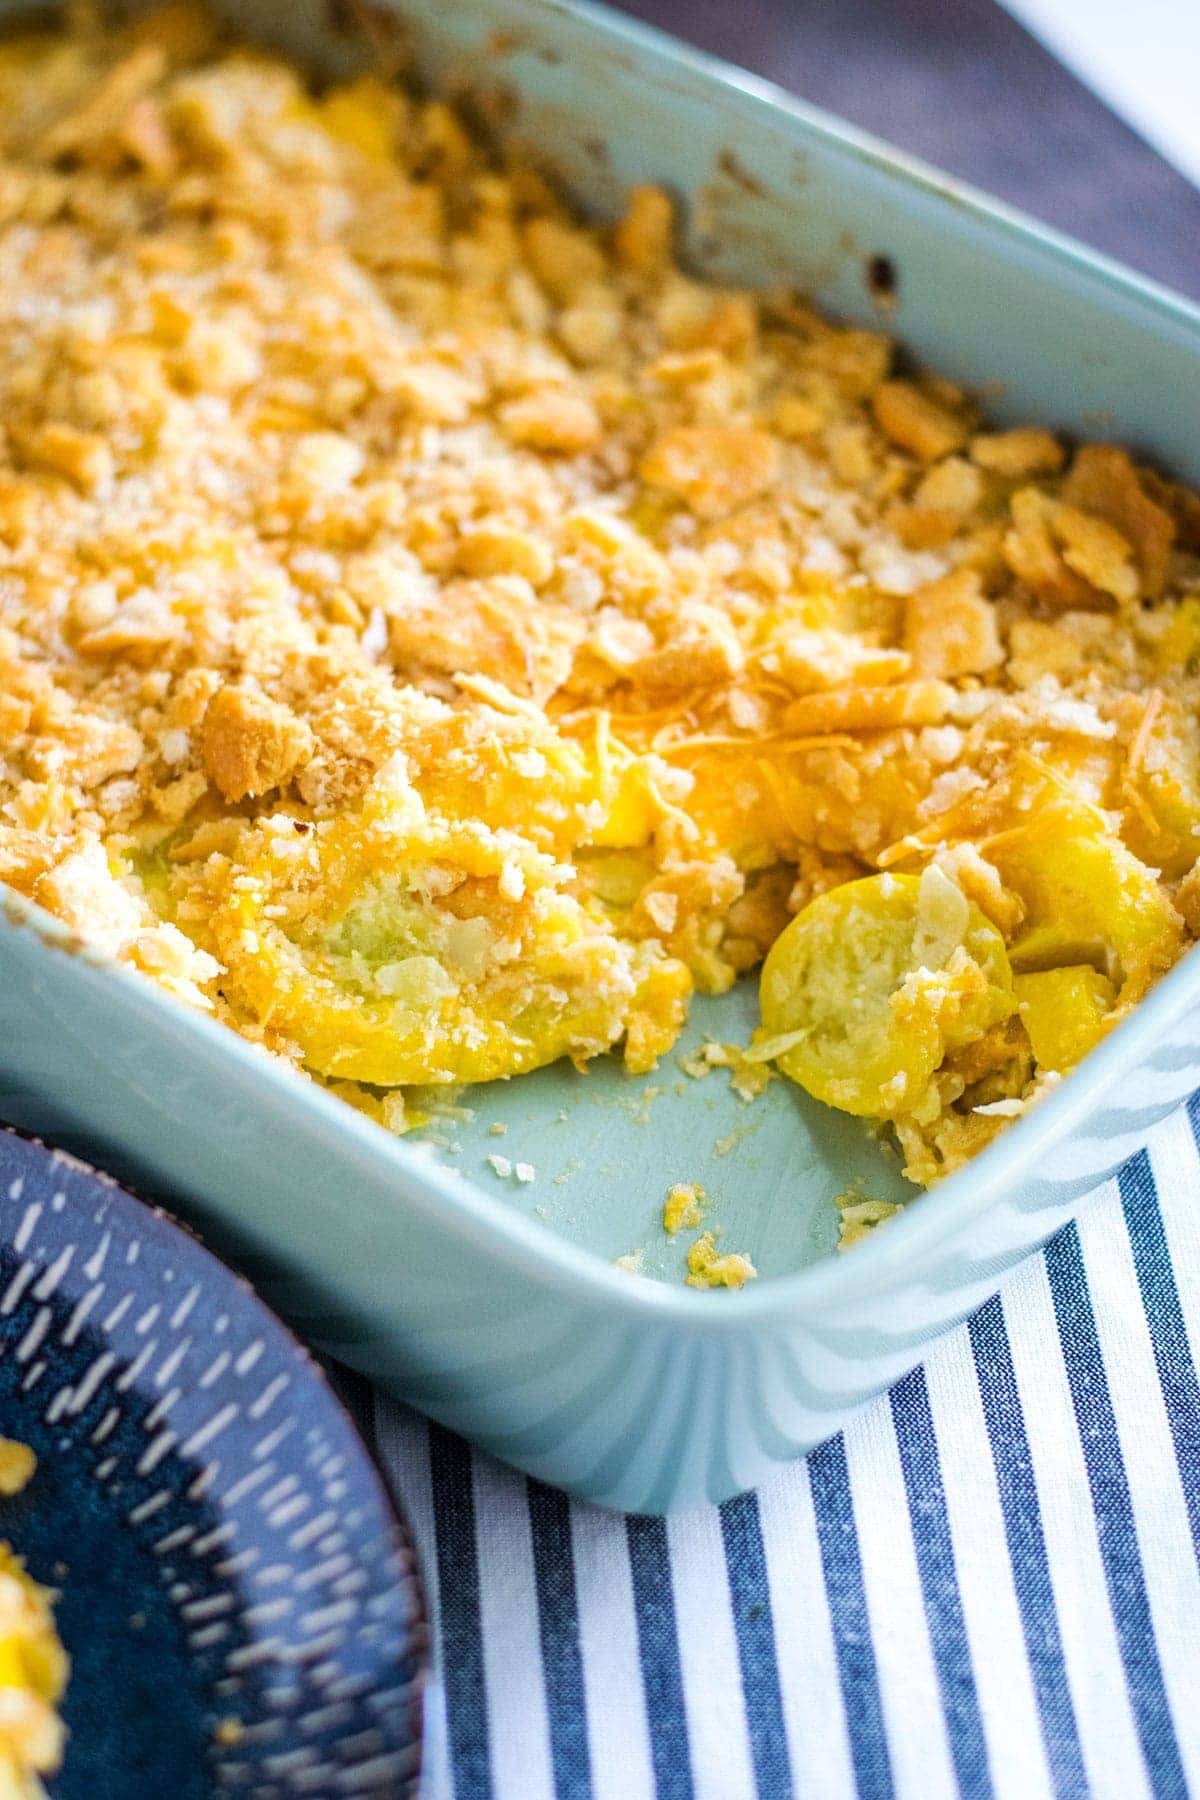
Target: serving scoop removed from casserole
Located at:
point(437, 636)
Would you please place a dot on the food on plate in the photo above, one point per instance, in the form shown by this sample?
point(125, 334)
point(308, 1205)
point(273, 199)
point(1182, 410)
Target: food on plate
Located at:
point(438, 636)
point(33, 1663)
point(18, 1465)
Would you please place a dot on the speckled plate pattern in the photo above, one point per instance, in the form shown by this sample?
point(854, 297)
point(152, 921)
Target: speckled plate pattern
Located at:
point(237, 1595)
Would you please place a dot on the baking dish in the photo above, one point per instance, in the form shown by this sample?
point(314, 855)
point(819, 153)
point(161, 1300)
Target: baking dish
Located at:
point(490, 1301)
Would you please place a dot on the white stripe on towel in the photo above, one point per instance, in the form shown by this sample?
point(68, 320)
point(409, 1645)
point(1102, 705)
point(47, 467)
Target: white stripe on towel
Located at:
point(712, 1681)
point(1111, 1751)
point(616, 1703)
point(518, 1728)
point(813, 1712)
point(998, 1655)
point(1163, 1529)
point(912, 1707)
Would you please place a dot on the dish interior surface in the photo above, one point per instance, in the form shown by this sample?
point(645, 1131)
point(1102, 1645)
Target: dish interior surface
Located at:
point(604, 1147)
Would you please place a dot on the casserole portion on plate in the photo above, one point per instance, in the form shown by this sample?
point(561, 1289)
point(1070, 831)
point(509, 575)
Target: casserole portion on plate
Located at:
point(438, 636)
point(33, 1664)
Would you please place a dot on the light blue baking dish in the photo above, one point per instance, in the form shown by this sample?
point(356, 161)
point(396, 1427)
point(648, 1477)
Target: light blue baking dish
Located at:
point(493, 1304)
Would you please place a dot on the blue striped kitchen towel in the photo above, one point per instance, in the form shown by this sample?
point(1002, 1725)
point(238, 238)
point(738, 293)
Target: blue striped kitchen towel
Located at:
point(987, 1585)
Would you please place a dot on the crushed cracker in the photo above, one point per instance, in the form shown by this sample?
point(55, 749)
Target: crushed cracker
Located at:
point(859, 1215)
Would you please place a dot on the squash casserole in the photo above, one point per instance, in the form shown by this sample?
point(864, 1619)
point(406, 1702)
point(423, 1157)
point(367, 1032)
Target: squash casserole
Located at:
point(437, 636)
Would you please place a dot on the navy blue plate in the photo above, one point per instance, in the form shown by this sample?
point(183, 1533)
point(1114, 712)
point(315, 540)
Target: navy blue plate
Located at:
point(237, 1595)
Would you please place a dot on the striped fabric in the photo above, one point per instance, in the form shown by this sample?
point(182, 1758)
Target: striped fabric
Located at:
point(988, 1585)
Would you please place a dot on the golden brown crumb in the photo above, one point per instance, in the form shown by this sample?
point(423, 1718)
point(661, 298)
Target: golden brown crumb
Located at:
point(82, 456)
point(950, 628)
point(1017, 455)
point(643, 238)
point(252, 744)
point(1104, 482)
point(711, 468)
point(552, 419)
point(917, 423)
point(870, 709)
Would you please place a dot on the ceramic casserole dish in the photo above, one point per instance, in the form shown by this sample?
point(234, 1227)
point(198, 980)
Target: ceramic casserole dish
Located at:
point(493, 1304)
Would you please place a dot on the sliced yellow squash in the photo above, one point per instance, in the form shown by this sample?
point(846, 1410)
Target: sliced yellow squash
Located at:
point(874, 983)
point(1088, 899)
point(395, 946)
point(1064, 1012)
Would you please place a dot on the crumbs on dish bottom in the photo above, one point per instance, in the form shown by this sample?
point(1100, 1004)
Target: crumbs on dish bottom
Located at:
point(33, 1664)
point(505, 1169)
point(684, 1209)
point(707, 1268)
point(438, 636)
point(749, 1072)
point(858, 1214)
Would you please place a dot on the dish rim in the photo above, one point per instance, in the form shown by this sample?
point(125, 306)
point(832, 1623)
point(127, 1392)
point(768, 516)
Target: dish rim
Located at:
point(759, 95)
point(540, 1252)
